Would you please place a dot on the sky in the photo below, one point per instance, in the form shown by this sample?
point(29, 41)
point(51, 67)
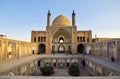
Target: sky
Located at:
point(19, 17)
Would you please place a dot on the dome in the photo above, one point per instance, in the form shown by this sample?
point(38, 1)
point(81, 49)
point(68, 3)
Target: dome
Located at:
point(61, 21)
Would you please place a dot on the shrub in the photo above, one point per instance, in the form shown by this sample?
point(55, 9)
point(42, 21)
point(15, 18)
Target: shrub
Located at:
point(47, 71)
point(74, 70)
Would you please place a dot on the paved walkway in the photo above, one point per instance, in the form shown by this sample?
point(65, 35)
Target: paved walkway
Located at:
point(84, 72)
point(105, 62)
point(61, 72)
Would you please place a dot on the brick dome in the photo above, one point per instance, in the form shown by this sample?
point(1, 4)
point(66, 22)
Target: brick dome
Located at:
point(61, 21)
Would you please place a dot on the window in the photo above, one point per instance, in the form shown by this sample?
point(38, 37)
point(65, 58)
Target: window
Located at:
point(38, 39)
point(44, 39)
point(80, 39)
point(61, 40)
point(41, 39)
point(77, 39)
point(34, 39)
point(83, 39)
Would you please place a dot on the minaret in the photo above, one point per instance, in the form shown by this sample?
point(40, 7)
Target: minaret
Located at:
point(73, 19)
point(48, 18)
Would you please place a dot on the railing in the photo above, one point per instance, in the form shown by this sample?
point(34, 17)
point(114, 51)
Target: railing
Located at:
point(59, 55)
point(61, 43)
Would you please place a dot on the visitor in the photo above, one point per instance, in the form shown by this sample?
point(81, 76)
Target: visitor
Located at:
point(33, 51)
point(112, 58)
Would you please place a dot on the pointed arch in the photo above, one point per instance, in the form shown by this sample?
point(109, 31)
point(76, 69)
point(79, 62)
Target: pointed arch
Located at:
point(80, 48)
point(61, 48)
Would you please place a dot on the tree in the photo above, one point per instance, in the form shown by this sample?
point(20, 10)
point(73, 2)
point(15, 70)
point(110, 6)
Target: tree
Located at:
point(74, 70)
point(47, 71)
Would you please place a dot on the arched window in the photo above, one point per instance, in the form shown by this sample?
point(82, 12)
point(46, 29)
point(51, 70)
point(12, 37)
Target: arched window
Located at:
point(61, 40)
point(34, 39)
point(38, 39)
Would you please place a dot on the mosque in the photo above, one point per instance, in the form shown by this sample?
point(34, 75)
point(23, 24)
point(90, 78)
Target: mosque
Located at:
point(60, 45)
point(62, 36)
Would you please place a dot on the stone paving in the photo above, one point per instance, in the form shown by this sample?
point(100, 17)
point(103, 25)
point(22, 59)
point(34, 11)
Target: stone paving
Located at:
point(61, 72)
point(105, 62)
point(84, 72)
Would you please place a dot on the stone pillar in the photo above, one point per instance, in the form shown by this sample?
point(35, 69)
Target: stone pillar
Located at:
point(48, 40)
point(17, 50)
point(74, 40)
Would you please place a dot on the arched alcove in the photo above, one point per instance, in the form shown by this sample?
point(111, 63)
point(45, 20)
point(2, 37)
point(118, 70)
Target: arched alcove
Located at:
point(80, 48)
point(61, 48)
point(42, 49)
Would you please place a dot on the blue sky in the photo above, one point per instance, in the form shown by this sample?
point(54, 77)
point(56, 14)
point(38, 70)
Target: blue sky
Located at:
point(19, 17)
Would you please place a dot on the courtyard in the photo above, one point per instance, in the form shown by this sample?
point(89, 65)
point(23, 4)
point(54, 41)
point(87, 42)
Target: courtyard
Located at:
point(57, 71)
point(64, 72)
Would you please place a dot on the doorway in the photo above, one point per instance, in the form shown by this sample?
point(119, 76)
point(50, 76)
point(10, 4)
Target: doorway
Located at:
point(80, 48)
point(61, 48)
point(41, 49)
